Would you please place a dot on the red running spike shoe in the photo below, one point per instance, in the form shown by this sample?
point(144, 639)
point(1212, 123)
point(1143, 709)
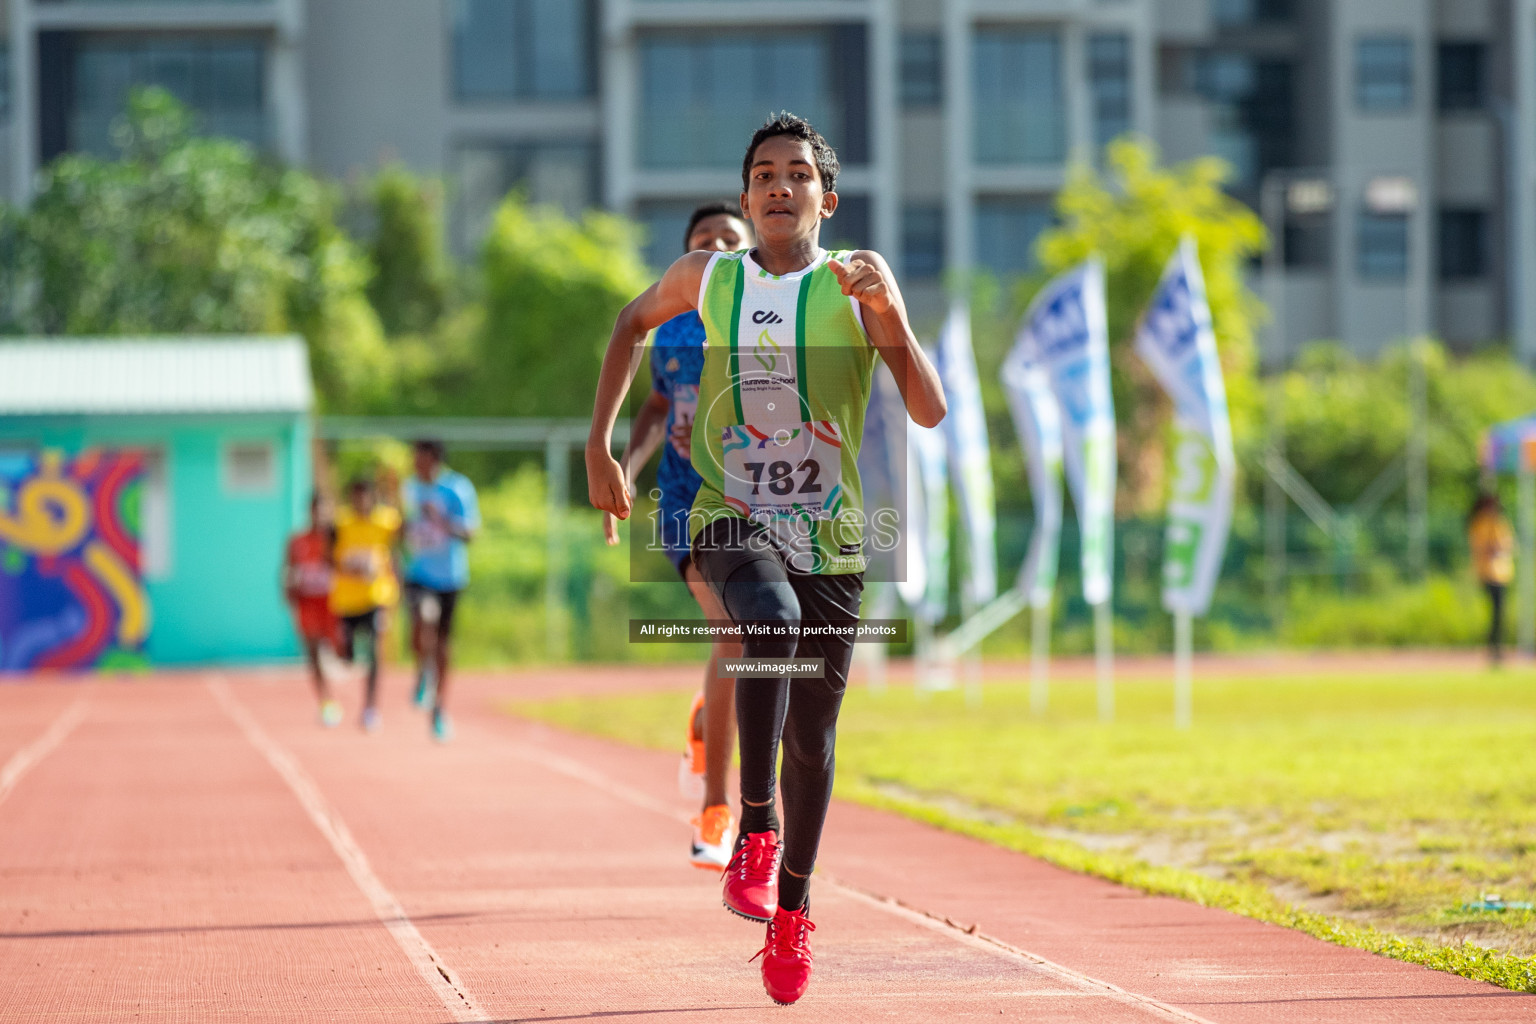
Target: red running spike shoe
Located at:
point(752, 877)
point(787, 956)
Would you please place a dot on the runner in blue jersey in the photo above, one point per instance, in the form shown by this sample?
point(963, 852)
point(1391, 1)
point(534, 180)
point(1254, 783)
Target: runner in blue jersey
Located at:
point(666, 421)
point(442, 514)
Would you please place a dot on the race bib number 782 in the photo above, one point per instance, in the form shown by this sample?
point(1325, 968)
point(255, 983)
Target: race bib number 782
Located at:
point(784, 472)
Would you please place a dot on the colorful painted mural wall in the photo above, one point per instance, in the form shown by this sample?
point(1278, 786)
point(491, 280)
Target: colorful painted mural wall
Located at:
point(71, 591)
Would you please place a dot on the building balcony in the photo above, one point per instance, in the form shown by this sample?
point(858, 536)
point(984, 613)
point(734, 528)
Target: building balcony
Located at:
point(166, 15)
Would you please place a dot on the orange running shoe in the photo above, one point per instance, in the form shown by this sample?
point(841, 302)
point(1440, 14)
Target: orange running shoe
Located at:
point(713, 830)
point(690, 773)
point(787, 956)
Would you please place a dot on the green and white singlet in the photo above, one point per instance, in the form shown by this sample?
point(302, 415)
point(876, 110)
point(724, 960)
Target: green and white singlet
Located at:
point(782, 396)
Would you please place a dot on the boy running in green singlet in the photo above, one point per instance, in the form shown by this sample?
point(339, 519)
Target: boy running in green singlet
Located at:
point(792, 333)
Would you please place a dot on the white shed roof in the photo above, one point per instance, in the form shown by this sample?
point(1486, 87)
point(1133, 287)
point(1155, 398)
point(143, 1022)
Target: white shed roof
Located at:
point(154, 375)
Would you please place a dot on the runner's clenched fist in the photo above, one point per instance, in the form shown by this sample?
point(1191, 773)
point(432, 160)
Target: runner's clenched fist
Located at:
point(865, 280)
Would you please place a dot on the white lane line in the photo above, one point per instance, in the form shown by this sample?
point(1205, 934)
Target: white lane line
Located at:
point(981, 940)
point(942, 925)
point(455, 997)
point(24, 759)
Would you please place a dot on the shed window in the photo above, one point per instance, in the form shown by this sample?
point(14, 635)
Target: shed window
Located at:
point(250, 467)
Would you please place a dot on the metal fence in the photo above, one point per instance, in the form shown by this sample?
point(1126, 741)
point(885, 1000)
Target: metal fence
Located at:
point(1354, 552)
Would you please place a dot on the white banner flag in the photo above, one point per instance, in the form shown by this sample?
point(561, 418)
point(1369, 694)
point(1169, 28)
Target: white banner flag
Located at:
point(893, 534)
point(928, 488)
point(1037, 418)
point(1065, 333)
point(1177, 342)
point(970, 455)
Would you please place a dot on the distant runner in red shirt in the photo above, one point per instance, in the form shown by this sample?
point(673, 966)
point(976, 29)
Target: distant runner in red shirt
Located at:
point(307, 578)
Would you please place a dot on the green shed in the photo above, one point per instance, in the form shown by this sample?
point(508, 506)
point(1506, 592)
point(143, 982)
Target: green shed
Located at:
point(218, 434)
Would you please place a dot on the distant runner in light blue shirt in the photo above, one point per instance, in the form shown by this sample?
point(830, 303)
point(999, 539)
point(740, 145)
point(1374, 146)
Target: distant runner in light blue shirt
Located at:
point(442, 514)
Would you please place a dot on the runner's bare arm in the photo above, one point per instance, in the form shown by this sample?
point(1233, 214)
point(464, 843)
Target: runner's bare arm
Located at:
point(645, 436)
point(868, 278)
point(676, 293)
point(454, 528)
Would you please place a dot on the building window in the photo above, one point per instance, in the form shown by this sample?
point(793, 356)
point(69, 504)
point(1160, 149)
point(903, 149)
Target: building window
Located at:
point(922, 242)
point(1020, 108)
point(849, 227)
point(922, 69)
point(1109, 76)
point(1463, 244)
point(1308, 241)
point(1242, 13)
point(1006, 229)
point(1252, 114)
point(85, 80)
point(1463, 81)
point(250, 467)
point(702, 96)
point(522, 50)
point(1384, 73)
point(552, 173)
point(1383, 246)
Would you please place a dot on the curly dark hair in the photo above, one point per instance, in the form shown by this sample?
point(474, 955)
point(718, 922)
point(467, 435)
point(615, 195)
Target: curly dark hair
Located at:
point(710, 210)
point(785, 123)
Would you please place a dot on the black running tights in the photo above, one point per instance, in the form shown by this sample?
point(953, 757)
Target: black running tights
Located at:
point(755, 586)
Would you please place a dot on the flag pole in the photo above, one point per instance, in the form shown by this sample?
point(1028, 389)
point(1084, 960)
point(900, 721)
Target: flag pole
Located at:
point(1104, 657)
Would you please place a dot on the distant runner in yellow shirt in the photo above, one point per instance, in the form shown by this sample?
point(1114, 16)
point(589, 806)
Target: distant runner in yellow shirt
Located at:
point(366, 582)
point(1492, 541)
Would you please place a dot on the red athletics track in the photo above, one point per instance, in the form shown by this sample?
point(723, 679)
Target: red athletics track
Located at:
point(196, 848)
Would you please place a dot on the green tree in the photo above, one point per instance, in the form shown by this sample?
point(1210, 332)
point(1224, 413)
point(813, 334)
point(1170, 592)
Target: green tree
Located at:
point(412, 280)
point(552, 288)
point(188, 234)
point(1347, 420)
point(1132, 216)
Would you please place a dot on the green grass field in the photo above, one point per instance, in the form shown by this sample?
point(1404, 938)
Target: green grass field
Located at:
point(1366, 809)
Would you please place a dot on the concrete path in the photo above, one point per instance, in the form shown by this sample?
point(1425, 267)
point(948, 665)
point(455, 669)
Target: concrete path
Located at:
point(196, 848)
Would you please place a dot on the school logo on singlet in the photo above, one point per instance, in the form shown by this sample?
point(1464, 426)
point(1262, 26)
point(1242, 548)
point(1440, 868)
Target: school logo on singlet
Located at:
point(768, 351)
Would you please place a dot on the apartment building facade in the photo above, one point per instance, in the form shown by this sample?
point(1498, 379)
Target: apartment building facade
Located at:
point(956, 120)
